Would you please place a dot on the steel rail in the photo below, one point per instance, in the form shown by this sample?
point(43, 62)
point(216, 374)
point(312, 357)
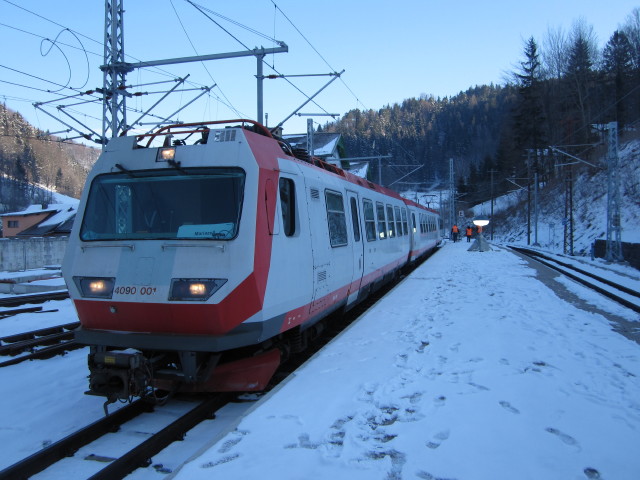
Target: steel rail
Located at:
point(15, 311)
point(19, 347)
point(35, 334)
point(46, 352)
point(600, 279)
point(539, 257)
point(69, 445)
point(141, 455)
point(18, 300)
point(61, 336)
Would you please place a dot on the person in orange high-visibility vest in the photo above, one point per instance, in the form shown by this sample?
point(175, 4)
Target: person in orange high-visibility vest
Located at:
point(454, 232)
point(469, 232)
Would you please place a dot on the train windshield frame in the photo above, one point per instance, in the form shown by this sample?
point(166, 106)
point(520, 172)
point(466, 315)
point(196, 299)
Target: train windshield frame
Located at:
point(170, 204)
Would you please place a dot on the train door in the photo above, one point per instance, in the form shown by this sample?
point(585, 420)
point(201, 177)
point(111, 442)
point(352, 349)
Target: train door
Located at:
point(413, 229)
point(358, 244)
point(321, 249)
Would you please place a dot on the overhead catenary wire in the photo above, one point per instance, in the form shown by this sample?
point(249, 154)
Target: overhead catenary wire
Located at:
point(86, 51)
point(397, 144)
point(316, 50)
point(204, 11)
point(228, 102)
point(54, 44)
point(58, 88)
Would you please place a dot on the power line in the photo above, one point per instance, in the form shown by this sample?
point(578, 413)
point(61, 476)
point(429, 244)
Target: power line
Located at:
point(316, 50)
point(238, 24)
point(228, 104)
point(201, 10)
point(156, 70)
point(45, 38)
point(51, 21)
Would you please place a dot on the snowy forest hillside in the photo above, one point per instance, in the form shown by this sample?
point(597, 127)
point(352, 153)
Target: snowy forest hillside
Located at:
point(34, 164)
point(562, 86)
point(585, 189)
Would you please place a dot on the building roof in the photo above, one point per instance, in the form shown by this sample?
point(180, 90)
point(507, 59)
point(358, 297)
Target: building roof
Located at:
point(33, 210)
point(58, 221)
point(360, 169)
point(325, 144)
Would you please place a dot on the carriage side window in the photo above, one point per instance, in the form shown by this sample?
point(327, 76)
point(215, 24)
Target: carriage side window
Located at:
point(355, 220)
point(288, 205)
point(382, 224)
point(369, 220)
point(392, 227)
point(413, 217)
point(398, 220)
point(405, 227)
point(336, 219)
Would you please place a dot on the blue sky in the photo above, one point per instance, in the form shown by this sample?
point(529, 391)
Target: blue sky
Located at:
point(390, 51)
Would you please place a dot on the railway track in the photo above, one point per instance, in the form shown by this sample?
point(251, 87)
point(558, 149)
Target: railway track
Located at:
point(621, 294)
point(53, 340)
point(18, 300)
point(138, 456)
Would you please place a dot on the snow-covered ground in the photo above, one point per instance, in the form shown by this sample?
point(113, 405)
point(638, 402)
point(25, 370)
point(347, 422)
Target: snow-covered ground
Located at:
point(471, 369)
point(590, 197)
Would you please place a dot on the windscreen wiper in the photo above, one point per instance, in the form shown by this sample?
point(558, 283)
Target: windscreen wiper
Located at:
point(125, 170)
point(177, 166)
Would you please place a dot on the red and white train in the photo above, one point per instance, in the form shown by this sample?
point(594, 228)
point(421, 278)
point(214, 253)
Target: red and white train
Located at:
point(195, 264)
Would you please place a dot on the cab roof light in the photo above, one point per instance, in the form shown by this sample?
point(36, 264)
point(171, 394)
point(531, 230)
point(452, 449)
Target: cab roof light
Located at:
point(166, 154)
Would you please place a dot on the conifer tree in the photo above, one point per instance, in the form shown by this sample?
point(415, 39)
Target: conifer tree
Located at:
point(618, 70)
point(579, 78)
point(529, 116)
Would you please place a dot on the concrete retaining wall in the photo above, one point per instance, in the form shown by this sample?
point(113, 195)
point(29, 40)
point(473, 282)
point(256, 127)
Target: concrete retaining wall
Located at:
point(28, 253)
point(630, 251)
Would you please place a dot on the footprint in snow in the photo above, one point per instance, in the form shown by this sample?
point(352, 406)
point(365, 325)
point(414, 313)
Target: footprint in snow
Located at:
point(229, 444)
point(510, 408)
point(440, 401)
point(568, 439)
point(225, 459)
point(592, 473)
point(437, 440)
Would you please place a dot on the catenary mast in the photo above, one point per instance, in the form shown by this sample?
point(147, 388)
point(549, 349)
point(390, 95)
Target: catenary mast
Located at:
point(114, 111)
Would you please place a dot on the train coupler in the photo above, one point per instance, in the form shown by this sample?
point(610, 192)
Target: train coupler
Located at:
point(119, 375)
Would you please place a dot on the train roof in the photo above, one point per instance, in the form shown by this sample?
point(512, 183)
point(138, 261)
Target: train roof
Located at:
point(253, 127)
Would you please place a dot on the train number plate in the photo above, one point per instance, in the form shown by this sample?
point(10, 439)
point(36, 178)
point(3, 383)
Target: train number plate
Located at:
point(132, 290)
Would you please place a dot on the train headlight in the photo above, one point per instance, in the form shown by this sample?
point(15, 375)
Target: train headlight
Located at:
point(195, 289)
point(95, 287)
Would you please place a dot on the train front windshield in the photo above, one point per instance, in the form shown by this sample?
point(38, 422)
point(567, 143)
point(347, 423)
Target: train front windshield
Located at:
point(198, 203)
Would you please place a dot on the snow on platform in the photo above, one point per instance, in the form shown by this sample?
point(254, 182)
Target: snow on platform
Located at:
point(472, 368)
point(32, 281)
